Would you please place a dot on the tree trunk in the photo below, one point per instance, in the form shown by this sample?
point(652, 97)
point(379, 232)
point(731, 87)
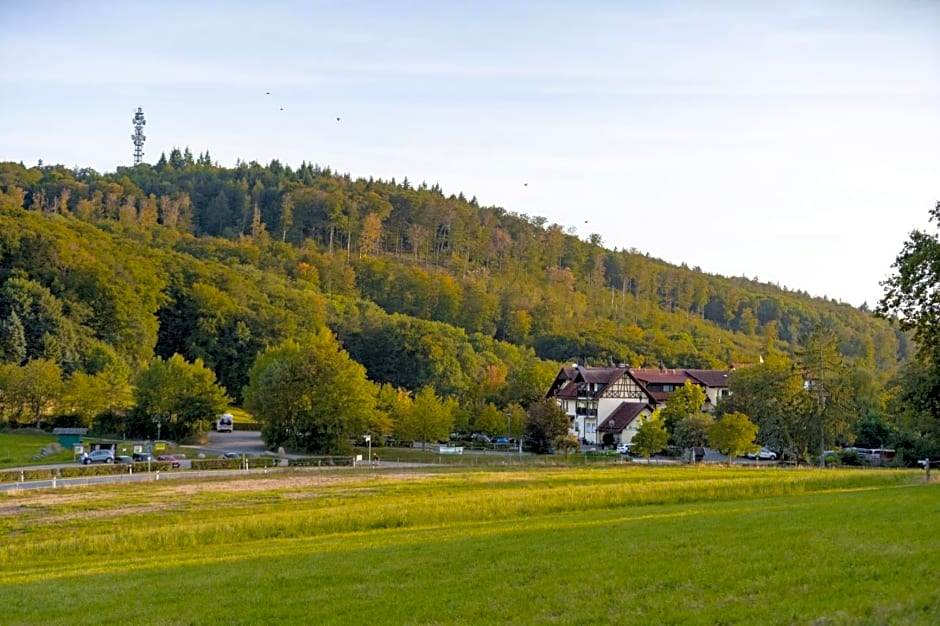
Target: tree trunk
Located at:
point(822, 444)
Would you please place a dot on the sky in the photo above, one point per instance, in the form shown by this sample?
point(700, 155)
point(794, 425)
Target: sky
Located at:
point(797, 142)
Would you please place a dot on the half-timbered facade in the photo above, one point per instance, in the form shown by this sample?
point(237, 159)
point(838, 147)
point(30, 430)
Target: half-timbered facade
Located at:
point(616, 400)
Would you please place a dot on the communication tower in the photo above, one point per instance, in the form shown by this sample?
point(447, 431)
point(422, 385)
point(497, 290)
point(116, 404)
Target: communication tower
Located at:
point(138, 136)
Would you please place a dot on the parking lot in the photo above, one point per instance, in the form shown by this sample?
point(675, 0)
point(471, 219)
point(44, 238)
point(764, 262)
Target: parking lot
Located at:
point(241, 441)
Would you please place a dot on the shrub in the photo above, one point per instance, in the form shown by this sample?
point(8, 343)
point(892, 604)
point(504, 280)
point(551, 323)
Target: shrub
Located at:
point(849, 457)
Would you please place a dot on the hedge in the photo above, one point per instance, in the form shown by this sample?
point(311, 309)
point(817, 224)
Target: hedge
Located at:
point(79, 471)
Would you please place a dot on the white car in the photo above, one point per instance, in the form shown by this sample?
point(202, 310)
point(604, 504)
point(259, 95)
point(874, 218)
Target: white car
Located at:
point(623, 448)
point(764, 454)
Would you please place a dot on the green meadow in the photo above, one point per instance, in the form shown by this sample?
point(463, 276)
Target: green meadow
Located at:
point(495, 545)
point(19, 450)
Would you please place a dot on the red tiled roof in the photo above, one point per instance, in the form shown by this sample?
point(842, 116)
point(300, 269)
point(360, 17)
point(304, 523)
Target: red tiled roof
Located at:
point(660, 396)
point(569, 391)
point(710, 378)
point(658, 376)
point(601, 375)
point(570, 376)
point(567, 374)
point(622, 416)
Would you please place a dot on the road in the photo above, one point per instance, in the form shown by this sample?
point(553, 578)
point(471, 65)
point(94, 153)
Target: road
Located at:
point(241, 441)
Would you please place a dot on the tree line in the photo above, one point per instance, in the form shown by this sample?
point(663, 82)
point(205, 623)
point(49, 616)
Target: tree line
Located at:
point(430, 294)
point(416, 251)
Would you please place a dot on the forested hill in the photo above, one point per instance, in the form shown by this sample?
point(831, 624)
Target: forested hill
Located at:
point(421, 288)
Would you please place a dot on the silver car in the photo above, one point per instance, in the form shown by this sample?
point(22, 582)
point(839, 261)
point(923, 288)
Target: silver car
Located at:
point(764, 454)
point(98, 456)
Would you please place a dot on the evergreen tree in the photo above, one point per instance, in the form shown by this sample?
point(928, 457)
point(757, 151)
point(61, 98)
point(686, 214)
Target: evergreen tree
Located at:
point(12, 339)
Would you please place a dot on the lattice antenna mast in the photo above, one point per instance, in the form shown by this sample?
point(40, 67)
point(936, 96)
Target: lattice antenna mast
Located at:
point(138, 136)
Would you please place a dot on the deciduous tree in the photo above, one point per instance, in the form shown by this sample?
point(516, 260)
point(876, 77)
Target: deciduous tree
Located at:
point(545, 423)
point(430, 419)
point(310, 395)
point(692, 431)
point(651, 436)
point(912, 298)
point(911, 293)
point(684, 402)
point(768, 393)
point(182, 397)
point(36, 387)
point(733, 435)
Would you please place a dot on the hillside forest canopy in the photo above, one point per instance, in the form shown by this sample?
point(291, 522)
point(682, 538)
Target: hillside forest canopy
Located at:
point(104, 277)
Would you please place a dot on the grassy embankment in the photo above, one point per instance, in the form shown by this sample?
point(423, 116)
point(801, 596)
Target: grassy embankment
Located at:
point(513, 545)
point(20, 449)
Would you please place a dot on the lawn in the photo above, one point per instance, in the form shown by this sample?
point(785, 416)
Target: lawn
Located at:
point(23, 449)
point(580, 545)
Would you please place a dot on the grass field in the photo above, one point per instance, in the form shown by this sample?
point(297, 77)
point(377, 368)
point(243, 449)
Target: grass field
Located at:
point(19, 449)
point(580, 545)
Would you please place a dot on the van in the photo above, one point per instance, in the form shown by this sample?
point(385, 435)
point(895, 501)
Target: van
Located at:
point(225, 423)
point(881, 456)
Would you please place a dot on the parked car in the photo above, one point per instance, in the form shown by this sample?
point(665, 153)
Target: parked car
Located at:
point(230, 455)
point(142, 456)
point(98, 456)
point(623, 448)
point(123, 458)
point(502, 441)
point(225, 423)
point(169, 458)
point(764, 454)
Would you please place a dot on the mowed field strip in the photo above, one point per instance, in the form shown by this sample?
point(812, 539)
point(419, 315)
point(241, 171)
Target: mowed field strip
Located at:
point(586, 545)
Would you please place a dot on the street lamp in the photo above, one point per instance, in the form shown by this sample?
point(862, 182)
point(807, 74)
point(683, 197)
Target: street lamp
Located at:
point(368, 439)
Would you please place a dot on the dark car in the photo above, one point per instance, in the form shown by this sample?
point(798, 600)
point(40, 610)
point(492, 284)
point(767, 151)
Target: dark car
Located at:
point(142, 456)
point(502, 441)
point(123, 458)
point(168, 458)
point(231, 455)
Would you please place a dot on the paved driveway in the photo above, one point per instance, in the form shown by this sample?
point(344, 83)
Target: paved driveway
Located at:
point(241, 441)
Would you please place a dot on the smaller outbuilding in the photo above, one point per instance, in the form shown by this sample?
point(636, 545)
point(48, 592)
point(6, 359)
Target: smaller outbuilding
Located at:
point(68, 437)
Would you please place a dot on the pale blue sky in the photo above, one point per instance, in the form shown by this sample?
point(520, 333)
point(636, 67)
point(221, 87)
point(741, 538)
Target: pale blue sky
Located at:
point(796, 142)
